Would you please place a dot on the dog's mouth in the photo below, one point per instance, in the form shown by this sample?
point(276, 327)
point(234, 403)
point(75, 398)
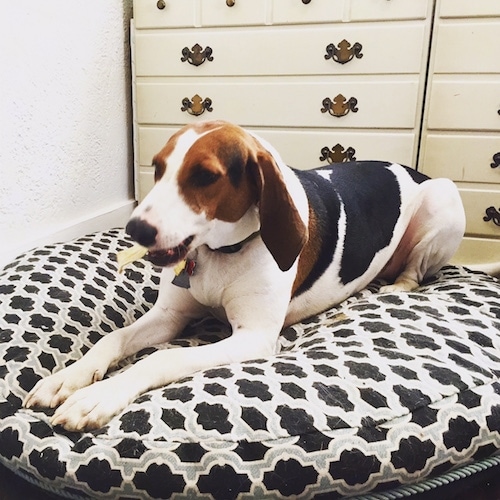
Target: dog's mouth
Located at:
point(170, 256)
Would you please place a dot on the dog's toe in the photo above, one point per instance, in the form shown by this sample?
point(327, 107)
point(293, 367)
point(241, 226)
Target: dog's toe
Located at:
point(91, 407)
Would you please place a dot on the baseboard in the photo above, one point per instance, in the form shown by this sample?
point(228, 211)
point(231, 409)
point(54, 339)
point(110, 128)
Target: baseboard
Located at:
point(116, 216)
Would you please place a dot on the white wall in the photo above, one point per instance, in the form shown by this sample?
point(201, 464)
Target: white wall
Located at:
point(65, 120)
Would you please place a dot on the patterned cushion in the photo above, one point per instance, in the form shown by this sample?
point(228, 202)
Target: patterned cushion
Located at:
point(383, 390)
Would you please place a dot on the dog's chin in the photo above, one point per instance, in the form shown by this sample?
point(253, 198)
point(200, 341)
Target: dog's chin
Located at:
point(170, 256)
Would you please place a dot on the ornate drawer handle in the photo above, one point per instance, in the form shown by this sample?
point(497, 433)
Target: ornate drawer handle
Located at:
point(197, 55)
point(230, 3)
point(161, 4)
point(496, 160)
point(344, 52)
point(339, 106)
point(196, 105)
point(492, 214)
point(337, 154)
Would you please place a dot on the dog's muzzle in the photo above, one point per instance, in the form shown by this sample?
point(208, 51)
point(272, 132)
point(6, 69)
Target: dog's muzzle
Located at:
point(145, 234)
point(141, 232)
point(170, 256)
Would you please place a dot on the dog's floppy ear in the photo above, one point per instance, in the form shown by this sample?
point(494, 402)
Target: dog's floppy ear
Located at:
point(281, 227)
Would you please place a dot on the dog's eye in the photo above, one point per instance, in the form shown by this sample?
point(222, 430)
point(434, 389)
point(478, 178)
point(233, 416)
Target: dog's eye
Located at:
point(203, 177)
point(160, 168)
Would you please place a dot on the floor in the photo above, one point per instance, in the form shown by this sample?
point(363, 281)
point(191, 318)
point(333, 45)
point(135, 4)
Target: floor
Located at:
point(482, 486)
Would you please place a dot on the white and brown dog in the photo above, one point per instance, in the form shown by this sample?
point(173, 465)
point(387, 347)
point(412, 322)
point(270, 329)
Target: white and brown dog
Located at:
point(271, 245)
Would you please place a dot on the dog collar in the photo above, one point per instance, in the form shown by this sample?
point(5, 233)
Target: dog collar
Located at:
point(237, 246)
point(185, 269)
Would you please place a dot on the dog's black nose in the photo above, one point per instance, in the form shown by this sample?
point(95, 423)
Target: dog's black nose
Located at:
point(141, 231)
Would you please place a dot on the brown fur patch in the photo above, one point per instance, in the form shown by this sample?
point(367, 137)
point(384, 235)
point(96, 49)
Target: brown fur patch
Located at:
point(161, 158)
point(222, 155)
point(309, 254)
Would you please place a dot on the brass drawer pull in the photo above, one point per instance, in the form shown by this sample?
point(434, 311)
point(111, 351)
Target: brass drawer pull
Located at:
point(230, 3)
point(344, 52)
point(339, 106)
point(196, 106)
point(492, 214)
point(161, 4)
point(496, 160)
point(337, 154)
point(197, 55)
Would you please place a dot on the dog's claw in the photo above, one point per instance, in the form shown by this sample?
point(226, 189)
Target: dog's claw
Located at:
point(91, 407)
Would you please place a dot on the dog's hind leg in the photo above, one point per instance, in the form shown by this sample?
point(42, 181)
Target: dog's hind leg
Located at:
point(432, 237)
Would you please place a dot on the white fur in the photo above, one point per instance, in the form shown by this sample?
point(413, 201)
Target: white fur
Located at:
point(247, 288)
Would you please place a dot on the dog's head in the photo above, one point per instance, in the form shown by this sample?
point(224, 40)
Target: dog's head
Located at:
point(215, 184)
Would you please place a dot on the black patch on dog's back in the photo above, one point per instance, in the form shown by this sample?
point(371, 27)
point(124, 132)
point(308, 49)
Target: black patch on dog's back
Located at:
point(325, 203)
point(371, 199)
point(370, 196)
point(418, 177)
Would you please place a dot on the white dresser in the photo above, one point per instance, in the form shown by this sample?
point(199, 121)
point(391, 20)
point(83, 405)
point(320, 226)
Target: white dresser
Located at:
point(332, 80)
point(322, 80)
point(461, 134)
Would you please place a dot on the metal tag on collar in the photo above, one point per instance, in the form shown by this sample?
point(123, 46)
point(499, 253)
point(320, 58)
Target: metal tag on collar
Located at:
point(183, 271)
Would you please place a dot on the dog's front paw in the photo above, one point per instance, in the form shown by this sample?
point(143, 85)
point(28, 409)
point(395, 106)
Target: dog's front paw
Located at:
point(53, 390)
point(401, 285)
point(91, 407)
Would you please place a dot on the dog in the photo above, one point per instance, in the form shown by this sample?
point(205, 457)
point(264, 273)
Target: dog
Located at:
point(263, 246)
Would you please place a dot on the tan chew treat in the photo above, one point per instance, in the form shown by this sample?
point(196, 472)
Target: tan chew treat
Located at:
point(125, 257)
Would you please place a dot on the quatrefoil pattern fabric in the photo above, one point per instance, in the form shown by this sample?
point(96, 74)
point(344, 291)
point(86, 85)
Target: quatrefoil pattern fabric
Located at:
point(385, 389)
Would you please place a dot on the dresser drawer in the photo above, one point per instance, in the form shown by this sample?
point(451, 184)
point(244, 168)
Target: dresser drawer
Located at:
point(145, 181)
point(367, 104)
point(242, 13)
point(307, 149)
point(477, 251)
point(467, 158)
point(320, 11)
point(476, 202)
point(465, 104)
point(175, 14)
point(269, 51)
point(468, 47)
point(469, 8)
point(380, 10)
point(317, 11)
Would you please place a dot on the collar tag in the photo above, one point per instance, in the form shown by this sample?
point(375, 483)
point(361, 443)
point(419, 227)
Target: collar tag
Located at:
point(183, 271)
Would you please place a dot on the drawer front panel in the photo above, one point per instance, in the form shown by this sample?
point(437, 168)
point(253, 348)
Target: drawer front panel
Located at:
point(468, 48)
point(285, 51)
point(146, 181)
point(476, 202)
point(466, 105)
point(468, 8)
point(242, 13)
point(380, 104)
point(467, 158)
point(303, 149)
point(175, 14)
point(184, 13)
point(379, 10)
point(317, 11)
point(477, 251)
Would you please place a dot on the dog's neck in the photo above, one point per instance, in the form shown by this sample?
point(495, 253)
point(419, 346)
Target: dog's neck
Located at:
point(237, 246)
point(230, 237)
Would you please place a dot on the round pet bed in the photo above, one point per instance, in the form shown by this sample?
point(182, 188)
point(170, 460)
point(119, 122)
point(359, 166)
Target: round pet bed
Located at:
point(382, 391)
